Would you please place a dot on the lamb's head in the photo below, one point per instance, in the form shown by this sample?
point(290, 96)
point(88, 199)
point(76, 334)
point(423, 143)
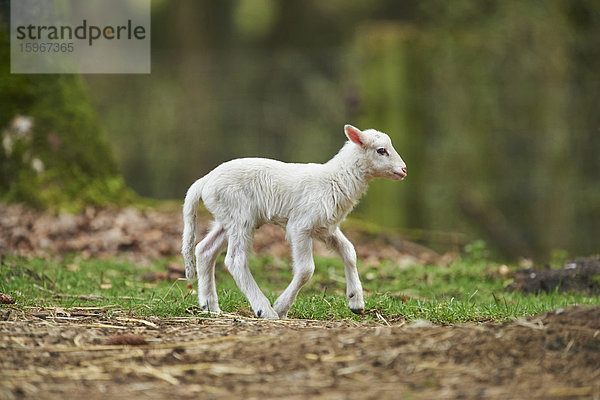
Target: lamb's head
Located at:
point(380, 157)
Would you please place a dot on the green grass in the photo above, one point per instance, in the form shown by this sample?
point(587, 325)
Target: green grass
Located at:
point(469, 290)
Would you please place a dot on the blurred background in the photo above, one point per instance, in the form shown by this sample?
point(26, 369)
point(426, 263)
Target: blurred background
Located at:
point(494, 105)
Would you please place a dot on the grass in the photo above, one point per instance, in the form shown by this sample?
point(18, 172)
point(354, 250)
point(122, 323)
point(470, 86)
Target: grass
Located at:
point(469, 290)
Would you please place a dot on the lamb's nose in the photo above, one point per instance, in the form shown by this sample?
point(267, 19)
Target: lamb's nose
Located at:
point(404, 170)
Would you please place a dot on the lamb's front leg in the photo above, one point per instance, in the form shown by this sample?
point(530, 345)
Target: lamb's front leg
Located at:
point(304, 267)
point(354, 291)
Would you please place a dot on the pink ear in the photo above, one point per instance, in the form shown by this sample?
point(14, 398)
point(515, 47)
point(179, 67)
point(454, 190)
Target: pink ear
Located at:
point(354, 134)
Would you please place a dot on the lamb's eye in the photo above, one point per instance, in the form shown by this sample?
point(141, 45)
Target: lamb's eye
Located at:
point(382, 151)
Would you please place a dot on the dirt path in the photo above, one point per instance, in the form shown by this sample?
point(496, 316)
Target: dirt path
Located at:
point(53, 353)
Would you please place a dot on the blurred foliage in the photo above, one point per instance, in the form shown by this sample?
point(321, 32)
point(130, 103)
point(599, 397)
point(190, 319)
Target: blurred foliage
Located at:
point(54, 154)
point(476, 251)
point(493, 105)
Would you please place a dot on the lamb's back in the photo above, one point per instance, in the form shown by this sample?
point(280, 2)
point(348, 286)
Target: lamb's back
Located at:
point(265, 187)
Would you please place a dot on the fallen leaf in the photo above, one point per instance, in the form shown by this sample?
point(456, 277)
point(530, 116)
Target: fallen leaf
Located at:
point(176, 268)
point(73, 267)
point(126, 339)
point(503, 270)
point(155, 276)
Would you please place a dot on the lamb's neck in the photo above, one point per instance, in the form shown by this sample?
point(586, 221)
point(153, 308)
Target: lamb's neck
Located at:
point(348, 175)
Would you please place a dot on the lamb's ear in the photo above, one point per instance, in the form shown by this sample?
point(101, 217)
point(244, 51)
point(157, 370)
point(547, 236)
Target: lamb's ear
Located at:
point(355, 135)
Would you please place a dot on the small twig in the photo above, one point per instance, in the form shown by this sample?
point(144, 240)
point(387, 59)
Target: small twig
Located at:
point(474, 293)
point(141, 321)
point(66, 318)
point(119, 357)
point(68, 349)
point(533, 324)
point(42, 288)
point(78, 296)
point(379, 316)
point(152, 371)
point(569, 345)
point(169, 291)
point(212, 368)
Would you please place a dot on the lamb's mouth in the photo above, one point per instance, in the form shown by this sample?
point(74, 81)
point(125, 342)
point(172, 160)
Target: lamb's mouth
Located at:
point(399, 175)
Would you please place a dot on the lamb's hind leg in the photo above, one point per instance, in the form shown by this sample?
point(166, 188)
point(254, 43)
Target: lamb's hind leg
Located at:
point(206, 254)
point(304, 267)
point(237, 263)
point(354, 292)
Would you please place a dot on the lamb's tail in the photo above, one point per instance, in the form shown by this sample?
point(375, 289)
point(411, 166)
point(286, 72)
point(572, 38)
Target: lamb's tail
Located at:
point(188, 240)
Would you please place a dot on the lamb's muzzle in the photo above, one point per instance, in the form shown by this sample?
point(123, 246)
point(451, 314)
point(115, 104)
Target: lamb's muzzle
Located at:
point(401, 174)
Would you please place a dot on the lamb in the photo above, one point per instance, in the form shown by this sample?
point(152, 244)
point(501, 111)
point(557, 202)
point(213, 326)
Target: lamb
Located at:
point(309, 200)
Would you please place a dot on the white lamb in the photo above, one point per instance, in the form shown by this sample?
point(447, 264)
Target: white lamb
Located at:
point(310, 200)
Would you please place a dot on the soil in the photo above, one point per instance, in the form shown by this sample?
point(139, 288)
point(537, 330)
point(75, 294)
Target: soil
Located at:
point(93, 354)
point(142, 236)
point(581, 275)
point(105, 353)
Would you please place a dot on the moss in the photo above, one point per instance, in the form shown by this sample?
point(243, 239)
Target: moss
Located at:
point(64, 160)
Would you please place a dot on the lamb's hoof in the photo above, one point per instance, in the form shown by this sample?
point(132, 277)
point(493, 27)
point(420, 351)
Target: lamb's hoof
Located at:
point(356, 305)
point(267, 314)
point(214, 310)
point(359, 311)
point(190, 275)
point(280, 311)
